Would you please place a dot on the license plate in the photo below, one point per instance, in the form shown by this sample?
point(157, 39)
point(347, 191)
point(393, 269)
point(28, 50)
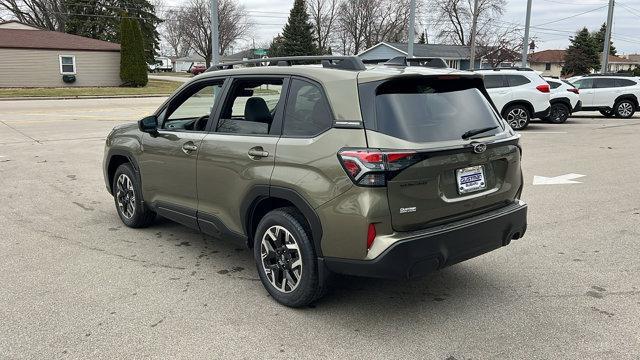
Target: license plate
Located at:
point(471, 179)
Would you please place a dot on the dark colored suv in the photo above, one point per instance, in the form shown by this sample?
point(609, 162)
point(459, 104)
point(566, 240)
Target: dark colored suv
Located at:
point(385, 171)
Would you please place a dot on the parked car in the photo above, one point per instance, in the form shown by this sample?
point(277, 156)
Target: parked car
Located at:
point(611, 95)
point(197, 69)
point(385, 172)
point(520, 94)
point(565, 100)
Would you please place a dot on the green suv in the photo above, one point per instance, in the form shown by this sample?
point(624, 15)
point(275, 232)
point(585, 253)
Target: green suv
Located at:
point(383, 171)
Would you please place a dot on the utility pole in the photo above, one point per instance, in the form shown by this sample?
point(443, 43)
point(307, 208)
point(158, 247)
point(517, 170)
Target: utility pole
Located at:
point(412, 28)
point(525, 43)
point(215, 47)
point(607, 39)
point(474, 29)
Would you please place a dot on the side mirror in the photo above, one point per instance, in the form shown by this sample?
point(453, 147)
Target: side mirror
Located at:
point(149, 125)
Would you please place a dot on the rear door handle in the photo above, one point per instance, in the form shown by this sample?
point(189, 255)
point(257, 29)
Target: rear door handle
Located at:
point(257, 153)
point(189, 147)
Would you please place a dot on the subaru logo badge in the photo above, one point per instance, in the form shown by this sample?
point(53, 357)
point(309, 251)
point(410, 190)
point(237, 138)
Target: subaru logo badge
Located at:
point(479, 148)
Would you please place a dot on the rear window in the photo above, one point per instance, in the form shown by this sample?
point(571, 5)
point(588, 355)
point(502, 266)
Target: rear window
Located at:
point(421, 110)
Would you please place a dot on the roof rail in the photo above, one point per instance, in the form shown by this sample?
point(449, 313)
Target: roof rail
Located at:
point(506, 68)
point(431, 62)
point(625, 74)
point(353, 63)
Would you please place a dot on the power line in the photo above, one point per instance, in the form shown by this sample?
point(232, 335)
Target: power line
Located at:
point(572, 16)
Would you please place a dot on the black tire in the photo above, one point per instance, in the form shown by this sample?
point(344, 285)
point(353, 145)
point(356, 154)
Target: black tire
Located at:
point(559, 113)
point(607, 113)
point(311, 283)
point(517, 116)
point(140, 216)
point(624, 109)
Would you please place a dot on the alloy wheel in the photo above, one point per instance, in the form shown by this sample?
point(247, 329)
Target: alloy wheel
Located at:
point(281, 259)
point(517, 118)
point(126, 196)
point(558, 114)
point(625, 109)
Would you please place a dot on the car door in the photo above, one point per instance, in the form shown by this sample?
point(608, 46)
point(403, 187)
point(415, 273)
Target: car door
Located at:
point(168, 159)
point(498, 90)
point(237, 155)
point(604, 92)
point(587, 92)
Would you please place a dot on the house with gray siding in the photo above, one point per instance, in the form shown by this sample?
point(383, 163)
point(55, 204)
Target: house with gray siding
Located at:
point(33, 57)
point(456, 56)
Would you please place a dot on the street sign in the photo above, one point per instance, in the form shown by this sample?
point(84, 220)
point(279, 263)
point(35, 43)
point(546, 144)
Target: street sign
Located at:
point(260, 52)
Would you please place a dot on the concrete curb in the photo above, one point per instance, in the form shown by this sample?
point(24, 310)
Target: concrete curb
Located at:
point(80, 97)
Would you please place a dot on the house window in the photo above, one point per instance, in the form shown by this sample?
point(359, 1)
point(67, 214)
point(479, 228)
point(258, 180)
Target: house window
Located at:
point(547, 66)
point(67, 64)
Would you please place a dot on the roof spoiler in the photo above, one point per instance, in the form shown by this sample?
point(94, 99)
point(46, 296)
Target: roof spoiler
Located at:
point(352, 63)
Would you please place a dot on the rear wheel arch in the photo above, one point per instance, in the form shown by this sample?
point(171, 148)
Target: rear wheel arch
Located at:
point(524, 103)
point(562, 100)
point(262, 199)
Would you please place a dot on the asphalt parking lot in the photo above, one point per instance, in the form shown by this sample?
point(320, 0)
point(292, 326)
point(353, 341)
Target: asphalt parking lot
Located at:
point(76, 283)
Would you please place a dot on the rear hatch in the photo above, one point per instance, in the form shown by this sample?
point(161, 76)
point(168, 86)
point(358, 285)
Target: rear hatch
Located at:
point(445, 152)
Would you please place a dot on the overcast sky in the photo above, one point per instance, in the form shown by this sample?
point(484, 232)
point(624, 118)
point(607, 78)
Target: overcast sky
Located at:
point(271, 15)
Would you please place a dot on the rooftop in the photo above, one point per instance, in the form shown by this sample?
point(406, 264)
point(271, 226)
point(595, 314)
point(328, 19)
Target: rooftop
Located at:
point(51, 40)
point(547, 56)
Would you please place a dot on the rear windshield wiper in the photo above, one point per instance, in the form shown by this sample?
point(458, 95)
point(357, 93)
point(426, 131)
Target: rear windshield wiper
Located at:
point(474, 132)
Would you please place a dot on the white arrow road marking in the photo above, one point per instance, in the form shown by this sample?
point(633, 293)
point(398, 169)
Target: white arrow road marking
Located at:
point(557, 180)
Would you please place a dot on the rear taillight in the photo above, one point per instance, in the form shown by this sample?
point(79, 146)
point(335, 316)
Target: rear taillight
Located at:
point(543, 88)
point(369, 167)
point(371, 235)
point(574, 90)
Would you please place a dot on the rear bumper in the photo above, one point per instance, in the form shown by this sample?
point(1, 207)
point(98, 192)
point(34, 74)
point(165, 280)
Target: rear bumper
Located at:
point(542, 114)
point(422, 252)
point(578, 106)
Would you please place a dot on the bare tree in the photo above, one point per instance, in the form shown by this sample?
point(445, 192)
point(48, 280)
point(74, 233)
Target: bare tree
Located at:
point(454, 18)
point(174, 33)
point(501, 45)
point(45, 14)
point(323, 15)
point(196, 22)
point(364, 23)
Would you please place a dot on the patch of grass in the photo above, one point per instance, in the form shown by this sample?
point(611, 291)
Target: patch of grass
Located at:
point(154, 87)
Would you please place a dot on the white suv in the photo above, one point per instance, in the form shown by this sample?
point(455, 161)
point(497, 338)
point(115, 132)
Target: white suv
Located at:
point(520, 94)
point(611, 95)
point(565, 100)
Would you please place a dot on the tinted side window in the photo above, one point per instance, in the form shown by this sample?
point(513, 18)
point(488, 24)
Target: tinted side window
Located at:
point(517, 80)
point(307, 112)
point(624, 82)
point(553, 84)
point(494, 81)
point(250, 106)
point(583, 83)
point(604, 83)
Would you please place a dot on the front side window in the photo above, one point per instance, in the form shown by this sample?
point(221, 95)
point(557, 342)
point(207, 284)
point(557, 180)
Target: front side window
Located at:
point(251, 106)
point(192, 110)
point(624, 82)
point(433, 110)
point(67, 64)
point(307, 112)
point(583, 83)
